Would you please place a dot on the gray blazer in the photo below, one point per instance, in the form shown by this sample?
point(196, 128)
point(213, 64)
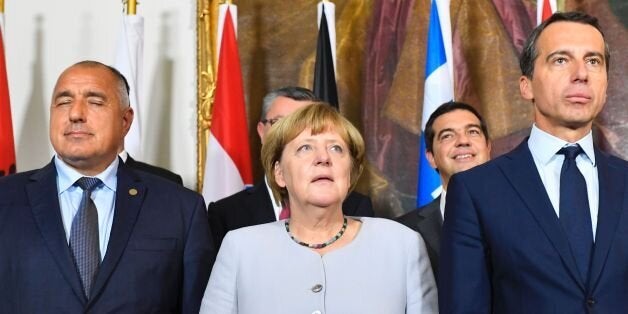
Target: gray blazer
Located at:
point(259, 269)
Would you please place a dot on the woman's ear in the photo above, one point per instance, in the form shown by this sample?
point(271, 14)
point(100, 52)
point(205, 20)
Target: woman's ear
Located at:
point(279, 175)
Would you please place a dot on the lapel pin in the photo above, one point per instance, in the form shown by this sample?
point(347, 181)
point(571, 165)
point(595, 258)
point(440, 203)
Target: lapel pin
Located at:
point(132, 192)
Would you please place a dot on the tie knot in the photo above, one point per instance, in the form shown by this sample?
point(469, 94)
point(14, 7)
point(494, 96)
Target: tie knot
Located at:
point(88, 183)
point(571, 152)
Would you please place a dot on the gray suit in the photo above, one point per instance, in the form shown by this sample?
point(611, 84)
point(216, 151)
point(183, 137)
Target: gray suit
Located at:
point(259, 269)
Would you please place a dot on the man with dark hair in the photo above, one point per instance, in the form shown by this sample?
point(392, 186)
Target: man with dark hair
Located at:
point(456, 140)
point(257, 205)
point(542, 229)
point(88, 234)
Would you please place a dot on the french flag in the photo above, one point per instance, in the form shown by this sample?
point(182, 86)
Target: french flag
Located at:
point(228, 161)
point(439, 88)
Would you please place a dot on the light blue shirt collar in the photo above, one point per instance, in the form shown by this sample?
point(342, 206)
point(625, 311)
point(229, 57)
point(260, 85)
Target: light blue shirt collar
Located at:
point(67, 176)
point(544, 146)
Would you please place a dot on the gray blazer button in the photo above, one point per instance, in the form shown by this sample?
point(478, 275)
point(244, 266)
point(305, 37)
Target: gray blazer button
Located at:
point(317, 288)
point(316, 312)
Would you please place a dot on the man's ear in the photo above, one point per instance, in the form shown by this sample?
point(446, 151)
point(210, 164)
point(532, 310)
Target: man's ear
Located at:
point(260, 131)
point(430, 159)
point(525, 87)
point(127, 119)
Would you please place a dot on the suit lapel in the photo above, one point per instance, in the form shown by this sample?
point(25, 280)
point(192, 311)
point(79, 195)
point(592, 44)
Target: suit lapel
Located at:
point(260, 202)
point(44, 200)
point(130, 194)
point(611, 194)
point(430, 225)
point(522, 173)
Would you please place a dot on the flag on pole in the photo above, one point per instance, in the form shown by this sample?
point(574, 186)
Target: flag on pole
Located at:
point(7, 146)
point(129, 61)
point(325, 66)
point(439, 88)
point(544, 9)
point(228, 162)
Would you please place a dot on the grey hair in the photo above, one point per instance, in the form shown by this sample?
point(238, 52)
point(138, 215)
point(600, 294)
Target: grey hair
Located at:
point(292, 92)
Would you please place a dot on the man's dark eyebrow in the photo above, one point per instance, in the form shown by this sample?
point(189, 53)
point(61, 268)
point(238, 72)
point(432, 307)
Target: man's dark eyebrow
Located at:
point(559, 52)
point(95, 94)
point(443, 131)
point(568, 53)
point(64, 93)
point(595, 54)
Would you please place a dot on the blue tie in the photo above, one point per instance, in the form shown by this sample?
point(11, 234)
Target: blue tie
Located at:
point(84, 235)
point(575, 215)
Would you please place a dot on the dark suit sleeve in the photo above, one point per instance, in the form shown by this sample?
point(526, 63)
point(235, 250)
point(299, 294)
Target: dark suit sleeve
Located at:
point(216, 224)
point(464, 273)
point(198, 259)
point(358, 205)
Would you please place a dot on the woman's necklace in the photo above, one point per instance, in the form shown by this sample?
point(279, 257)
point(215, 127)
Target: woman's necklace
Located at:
point(321, 245)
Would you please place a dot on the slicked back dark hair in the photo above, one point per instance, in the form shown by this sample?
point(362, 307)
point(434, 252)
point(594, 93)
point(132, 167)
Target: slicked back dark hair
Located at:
point(530, 53)
point(447, 108)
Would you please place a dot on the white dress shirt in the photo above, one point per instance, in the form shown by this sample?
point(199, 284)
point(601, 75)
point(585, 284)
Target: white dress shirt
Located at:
point(277, 207)
point(103, 196)
point(544, 148)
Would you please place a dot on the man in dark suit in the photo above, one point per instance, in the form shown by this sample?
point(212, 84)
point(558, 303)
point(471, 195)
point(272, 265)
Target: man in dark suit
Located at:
point(544, 228)
point(456, 140)
point(257, 205)
point(158, 171)
point(88, 234)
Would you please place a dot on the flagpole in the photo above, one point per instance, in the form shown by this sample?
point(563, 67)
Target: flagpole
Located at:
point(131, 7)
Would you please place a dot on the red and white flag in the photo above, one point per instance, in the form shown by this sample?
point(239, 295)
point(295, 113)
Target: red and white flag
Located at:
point(7, 146)
point(544, 9)
point(228, 162)
point(129, 61)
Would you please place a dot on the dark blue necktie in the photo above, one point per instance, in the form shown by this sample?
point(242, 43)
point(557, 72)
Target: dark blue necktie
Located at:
point(84, 235)
point(575, 215)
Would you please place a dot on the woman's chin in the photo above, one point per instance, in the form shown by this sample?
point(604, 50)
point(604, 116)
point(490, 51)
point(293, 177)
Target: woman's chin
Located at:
point(326, 202)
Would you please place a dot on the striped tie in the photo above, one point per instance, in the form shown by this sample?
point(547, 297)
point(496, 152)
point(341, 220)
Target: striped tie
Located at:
point(84, 235)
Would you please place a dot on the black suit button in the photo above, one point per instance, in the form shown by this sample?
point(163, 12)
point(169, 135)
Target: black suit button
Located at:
point(317, 288)
point(590, 301)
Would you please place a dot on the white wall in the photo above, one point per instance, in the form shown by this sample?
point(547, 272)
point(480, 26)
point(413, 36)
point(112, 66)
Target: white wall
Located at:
point(44, 37)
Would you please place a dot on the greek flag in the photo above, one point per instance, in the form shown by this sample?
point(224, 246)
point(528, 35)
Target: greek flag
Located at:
point(439, 88)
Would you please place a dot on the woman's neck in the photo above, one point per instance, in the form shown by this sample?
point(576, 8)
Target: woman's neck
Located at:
point(315, 225)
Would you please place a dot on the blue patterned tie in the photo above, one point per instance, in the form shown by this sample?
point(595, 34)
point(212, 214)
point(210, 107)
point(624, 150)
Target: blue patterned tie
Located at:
point(84, 235)
point(575, 215)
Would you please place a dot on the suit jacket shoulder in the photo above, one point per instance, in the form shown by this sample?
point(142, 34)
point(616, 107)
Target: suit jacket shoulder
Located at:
point(245, 208)
point(357, 204)
point(427, 221)
point(158, 171)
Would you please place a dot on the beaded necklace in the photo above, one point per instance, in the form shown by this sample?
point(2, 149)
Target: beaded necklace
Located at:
point(321, 245)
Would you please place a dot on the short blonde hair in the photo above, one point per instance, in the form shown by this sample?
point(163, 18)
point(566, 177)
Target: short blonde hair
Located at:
point(319, 117)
